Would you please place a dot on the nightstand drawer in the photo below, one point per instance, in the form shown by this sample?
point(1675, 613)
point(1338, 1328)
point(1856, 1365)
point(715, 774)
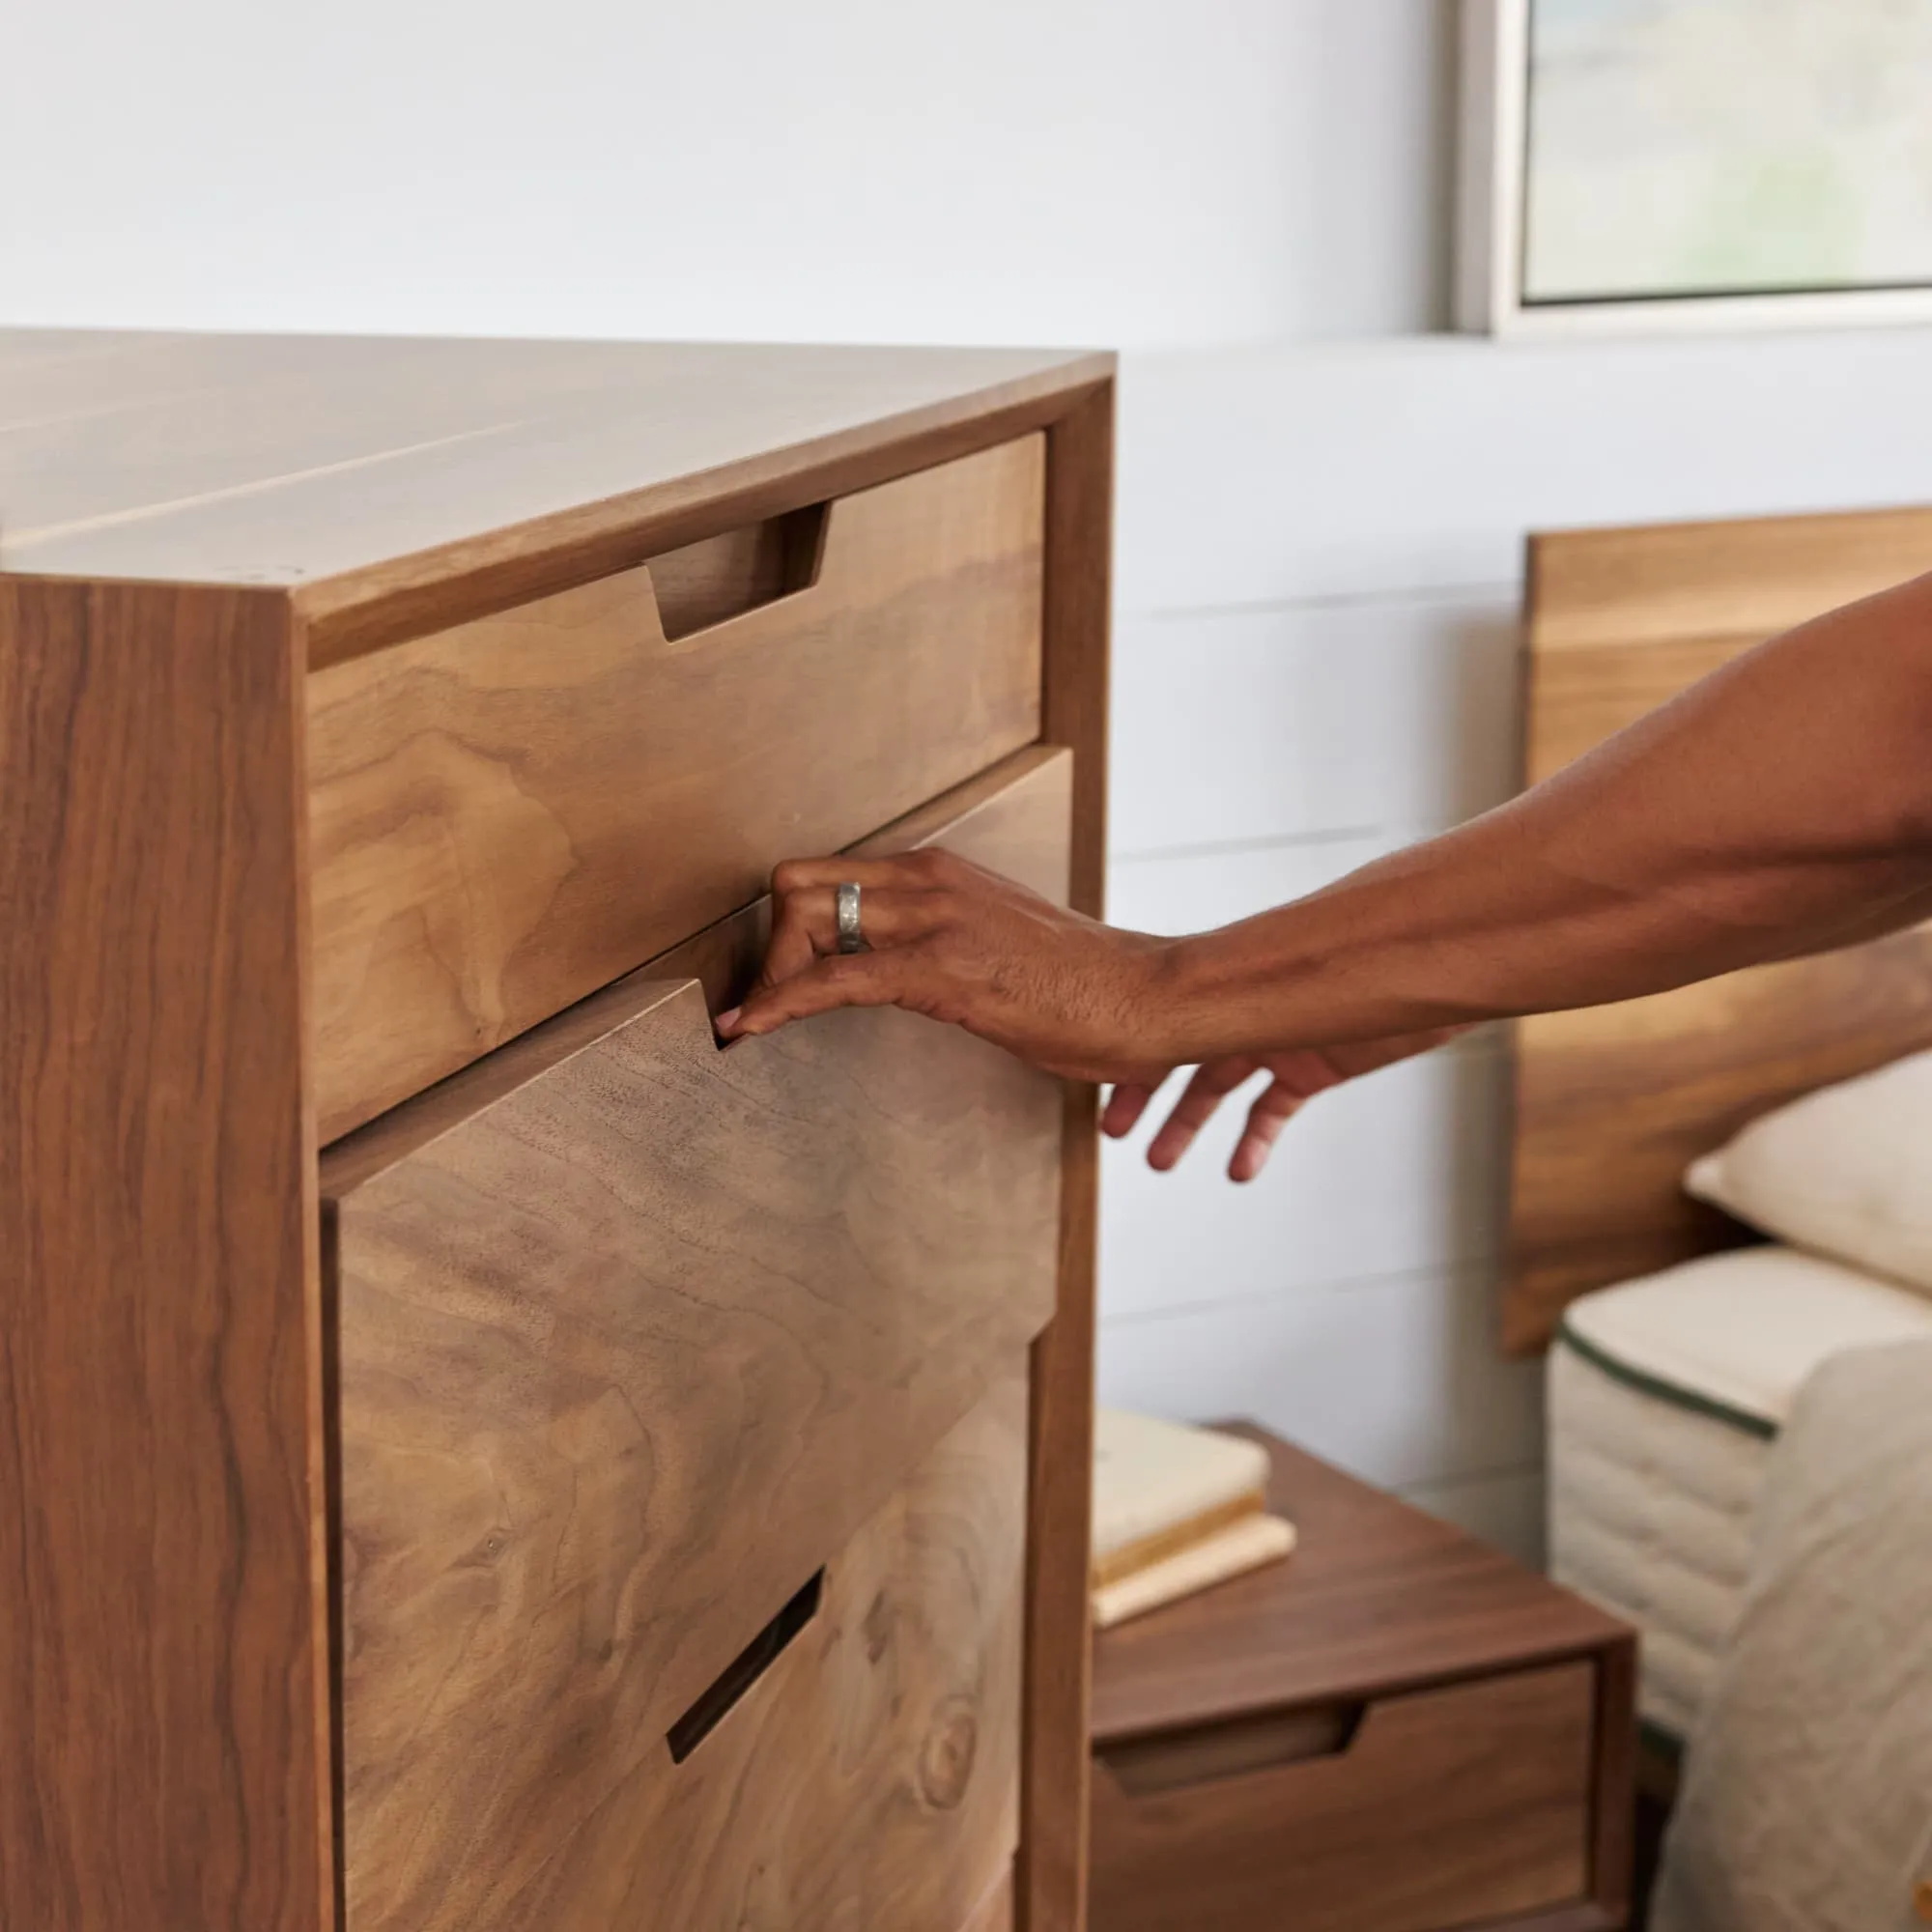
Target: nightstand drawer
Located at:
point(1409, 1813)
point(504, 817)
point(633, 1335)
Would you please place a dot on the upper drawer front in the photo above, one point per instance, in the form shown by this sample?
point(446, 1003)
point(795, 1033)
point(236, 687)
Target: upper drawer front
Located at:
point(633, 1335)
point(504, 817)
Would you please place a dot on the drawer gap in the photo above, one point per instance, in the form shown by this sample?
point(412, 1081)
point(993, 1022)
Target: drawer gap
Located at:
point(708, 583)
point(715, 1701)
point(1210, 1753)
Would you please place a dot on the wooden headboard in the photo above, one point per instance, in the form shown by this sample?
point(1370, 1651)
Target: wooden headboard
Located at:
point(1613, 1102)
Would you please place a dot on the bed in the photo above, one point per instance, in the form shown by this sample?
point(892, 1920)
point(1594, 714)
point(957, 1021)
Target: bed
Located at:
point(1678, 1341)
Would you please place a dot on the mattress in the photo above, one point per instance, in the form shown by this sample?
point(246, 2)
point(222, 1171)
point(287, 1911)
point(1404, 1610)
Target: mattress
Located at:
point(1665, 1397)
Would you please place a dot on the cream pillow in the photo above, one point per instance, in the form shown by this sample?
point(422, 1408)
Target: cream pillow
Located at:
point(1845, 1171)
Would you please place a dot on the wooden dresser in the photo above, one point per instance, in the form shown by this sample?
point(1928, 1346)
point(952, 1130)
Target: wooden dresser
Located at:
point(474, 1454)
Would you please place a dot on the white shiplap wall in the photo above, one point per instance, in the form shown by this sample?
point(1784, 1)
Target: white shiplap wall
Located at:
point(1316, 661)
point(1318, 545)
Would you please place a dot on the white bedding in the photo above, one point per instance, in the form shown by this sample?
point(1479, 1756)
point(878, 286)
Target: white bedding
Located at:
point(1665, 1397)
point(1806, 1803)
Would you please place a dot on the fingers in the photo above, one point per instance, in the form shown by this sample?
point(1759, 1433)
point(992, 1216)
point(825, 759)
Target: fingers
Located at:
point(1277, 1104)
point(1203, 1095)
point(1126, 1105)
point(845, 980)
point(806, 927)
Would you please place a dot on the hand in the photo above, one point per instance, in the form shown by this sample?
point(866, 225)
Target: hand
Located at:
point(954, 941)
point(1298, 1075)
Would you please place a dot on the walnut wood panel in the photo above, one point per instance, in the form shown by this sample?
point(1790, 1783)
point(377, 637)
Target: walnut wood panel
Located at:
point(869, 1778)
point(1051, 1880)
point(506, 816)
point(1613, 1104)
point(1013, 818)
point(1443, 1808)
point(162, 1664)
point(1747, 577)
point(627, 1352)
point(873, 1777)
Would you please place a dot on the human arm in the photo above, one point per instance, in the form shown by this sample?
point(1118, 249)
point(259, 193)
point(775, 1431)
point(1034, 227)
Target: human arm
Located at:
point(1782, 806)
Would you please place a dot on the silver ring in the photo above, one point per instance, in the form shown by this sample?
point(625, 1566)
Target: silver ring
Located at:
point(851, 935)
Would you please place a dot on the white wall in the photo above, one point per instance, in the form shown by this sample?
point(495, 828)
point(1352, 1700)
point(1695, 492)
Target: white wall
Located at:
point(1319, 544)
point(1315, 660)
point(1103, 171)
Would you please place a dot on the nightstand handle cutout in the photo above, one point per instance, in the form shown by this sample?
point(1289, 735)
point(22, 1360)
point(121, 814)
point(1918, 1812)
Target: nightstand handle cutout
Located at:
point(1209, 1753)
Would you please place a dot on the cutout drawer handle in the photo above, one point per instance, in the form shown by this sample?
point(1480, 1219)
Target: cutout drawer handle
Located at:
point(718, 578)
point(1208, 1753)
point(710, 1704)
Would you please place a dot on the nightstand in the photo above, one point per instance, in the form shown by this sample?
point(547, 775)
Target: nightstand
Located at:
point(1399, 1729)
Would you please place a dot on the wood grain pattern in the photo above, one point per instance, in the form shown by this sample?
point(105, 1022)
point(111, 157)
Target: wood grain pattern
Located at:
point(1445, 1807)
point(504, 817)
point(1013, 818)
point(872, 1780)
point(1051, 1879)
point(625, 1354)
point(869, 1779)
point(1746, 577)
point(1613, 1104)
point(162, 1663)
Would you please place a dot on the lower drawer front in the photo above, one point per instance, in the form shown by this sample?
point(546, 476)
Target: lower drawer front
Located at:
point(870, 1779)
point(864, 1777)
point(1443, 1809)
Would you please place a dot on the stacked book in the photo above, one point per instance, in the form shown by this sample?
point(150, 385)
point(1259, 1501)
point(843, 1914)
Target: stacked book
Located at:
point(1175, 1510)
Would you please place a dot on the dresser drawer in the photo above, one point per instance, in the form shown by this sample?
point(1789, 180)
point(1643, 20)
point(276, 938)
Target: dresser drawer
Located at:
point(870, 1778)
point(633, 1335)
point(858, 1766)
point(506, 816)
point(1415, 1813)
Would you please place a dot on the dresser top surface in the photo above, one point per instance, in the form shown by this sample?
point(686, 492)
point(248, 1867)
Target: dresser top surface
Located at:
point(292, 461)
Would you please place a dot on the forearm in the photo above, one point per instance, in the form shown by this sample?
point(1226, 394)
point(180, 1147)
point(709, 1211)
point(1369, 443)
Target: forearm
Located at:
point(1779, 808)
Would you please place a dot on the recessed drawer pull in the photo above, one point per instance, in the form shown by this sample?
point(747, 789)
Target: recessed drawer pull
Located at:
point(709, 1709)
point(718, 578)
point(1176, 1760)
